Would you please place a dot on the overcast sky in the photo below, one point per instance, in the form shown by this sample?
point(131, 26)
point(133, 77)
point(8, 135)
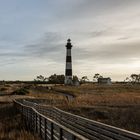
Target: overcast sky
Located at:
point(105, 35)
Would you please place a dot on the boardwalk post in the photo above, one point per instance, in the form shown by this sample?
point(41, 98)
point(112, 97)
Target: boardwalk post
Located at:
point(73, 137)
point(36, 122)
point(51, 131)
point(26, 115)
point(29, 118)
point(60, 134)
point(45, 132)
point(40, 126)
point(22, 113)
point(32, 120)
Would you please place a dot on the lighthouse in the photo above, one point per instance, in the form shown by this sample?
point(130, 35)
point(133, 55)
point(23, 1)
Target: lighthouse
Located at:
point(68, 70)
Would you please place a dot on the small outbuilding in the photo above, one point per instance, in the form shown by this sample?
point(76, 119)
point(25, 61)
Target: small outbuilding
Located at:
point(104, 81)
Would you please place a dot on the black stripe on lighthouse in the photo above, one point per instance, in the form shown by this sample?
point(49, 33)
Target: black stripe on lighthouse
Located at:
point(68, 72)
point(68, 59)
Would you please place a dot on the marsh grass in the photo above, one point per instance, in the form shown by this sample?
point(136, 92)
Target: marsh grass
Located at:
point(11, 126)
point(100, 89)
point(117, 105)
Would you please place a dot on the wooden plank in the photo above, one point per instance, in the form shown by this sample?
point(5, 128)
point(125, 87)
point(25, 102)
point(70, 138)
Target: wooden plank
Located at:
point(28, 108)
point(108, 127)
point(94, 128)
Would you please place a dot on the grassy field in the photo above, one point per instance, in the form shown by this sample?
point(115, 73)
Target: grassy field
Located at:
point(11, 126)
point(117, 104)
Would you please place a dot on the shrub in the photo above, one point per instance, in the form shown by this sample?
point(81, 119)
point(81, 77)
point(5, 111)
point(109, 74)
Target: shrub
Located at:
point(21, 91)
point(3, 89)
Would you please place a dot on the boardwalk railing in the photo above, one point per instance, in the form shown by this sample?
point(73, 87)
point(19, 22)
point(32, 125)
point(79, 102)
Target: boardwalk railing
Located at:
point(87, 129)
point(47, 128)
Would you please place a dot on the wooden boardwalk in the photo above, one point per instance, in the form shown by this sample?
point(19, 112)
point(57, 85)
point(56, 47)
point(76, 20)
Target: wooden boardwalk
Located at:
point(54, 124)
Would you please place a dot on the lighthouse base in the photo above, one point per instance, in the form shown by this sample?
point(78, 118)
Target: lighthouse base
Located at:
point(68, 80)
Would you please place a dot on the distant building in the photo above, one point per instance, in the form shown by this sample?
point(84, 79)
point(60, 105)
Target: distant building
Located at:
point(76, 83)
point(104, 81)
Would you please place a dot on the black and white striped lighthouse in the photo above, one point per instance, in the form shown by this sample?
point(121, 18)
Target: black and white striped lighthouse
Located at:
point(68, 70)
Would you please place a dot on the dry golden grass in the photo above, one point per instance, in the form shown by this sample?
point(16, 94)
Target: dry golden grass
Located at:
point(95, 88)
point(51, 99)
point(9, 88)
point(117, 105)
point(11, 126)
point(107, 99)
point(117, 95)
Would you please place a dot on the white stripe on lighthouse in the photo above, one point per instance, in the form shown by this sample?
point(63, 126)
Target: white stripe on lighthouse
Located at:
point(68, 52)
point(68, 65)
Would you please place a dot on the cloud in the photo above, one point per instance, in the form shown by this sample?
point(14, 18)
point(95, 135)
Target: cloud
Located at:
point(51, 46)
point(120, 52)
point(105, 35)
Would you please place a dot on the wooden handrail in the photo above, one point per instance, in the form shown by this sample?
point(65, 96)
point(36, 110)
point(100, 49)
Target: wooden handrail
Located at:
point(83, 127)
point(62, 131)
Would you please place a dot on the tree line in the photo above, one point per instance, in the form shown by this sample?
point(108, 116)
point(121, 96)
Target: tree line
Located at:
point(59, 79)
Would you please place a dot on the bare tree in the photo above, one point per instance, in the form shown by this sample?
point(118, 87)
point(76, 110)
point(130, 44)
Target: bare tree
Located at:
point(127, 79)
point(84, 79)
point(135, 78)
point(97, 76)
point(40, 78)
